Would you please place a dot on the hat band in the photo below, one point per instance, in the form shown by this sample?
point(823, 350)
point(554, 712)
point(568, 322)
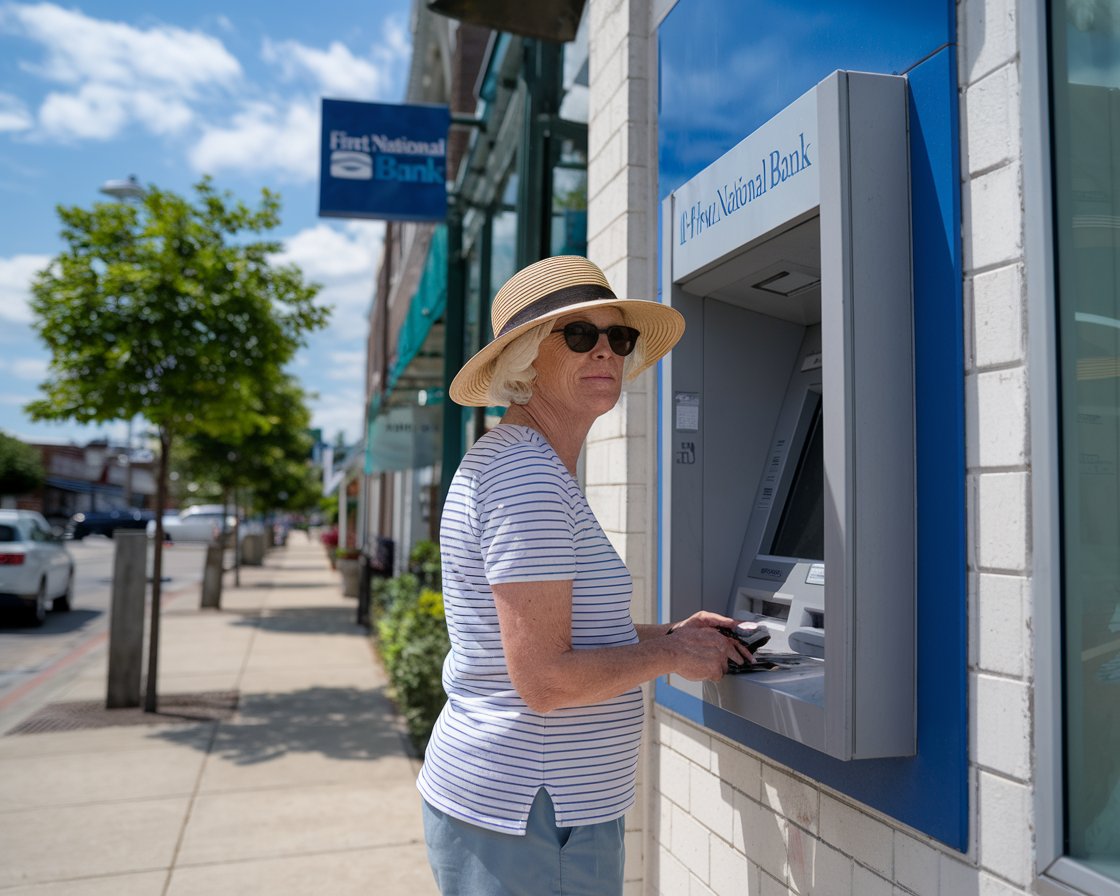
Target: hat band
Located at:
point(554, 301)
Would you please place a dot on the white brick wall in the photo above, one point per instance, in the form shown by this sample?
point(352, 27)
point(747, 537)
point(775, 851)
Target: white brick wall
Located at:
point(619, 458)
point(998, 457)
point(718, 819)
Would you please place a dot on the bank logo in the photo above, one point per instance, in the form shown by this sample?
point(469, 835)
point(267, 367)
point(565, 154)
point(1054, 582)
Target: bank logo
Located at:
point(351, 165)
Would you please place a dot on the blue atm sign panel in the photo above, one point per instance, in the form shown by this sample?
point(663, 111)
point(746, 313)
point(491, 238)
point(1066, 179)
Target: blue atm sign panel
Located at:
point(386, 161)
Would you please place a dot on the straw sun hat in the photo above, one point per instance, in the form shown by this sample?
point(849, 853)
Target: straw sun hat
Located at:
point(553, 288)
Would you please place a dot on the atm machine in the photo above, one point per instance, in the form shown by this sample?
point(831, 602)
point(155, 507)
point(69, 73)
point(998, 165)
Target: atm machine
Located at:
point(787, 423)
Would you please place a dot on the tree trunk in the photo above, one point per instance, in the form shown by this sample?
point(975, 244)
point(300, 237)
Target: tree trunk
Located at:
point(237, 538)
point(157, 569)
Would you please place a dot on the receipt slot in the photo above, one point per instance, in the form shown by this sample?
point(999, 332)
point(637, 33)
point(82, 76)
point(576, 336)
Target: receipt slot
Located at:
point(787, 437)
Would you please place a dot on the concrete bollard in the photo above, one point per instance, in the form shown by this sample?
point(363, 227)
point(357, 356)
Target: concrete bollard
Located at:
point(126, 618)
point(252, 549)
point(212, 578)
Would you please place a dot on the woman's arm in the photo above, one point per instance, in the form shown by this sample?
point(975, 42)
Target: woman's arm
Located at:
point(536, 625)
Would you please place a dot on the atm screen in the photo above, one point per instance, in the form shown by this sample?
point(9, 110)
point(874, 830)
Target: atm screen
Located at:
point(800, 531)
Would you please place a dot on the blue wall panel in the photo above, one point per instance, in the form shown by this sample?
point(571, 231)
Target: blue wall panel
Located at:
point(726, 68)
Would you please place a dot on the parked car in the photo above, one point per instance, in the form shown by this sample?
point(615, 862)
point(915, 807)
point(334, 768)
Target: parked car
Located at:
point(36, 570)
point(200, 523)
point(104, 522)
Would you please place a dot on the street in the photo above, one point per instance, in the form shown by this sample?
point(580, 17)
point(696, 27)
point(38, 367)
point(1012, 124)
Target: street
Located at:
point(29, 654)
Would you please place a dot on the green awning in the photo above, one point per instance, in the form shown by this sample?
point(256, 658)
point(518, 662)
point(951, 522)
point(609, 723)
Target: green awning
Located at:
point(427, 306)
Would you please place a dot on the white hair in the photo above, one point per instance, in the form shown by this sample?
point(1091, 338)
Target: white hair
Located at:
point(511, 380)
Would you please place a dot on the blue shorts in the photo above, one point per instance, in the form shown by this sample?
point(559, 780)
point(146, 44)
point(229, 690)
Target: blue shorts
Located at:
point(586, 860)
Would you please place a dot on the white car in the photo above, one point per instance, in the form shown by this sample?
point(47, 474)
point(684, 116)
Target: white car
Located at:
point(200, 523)
point(36, 569)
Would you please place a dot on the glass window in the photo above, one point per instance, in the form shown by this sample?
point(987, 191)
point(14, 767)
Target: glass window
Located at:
point(1085, 85)
point(569, 201)
point(503, 258)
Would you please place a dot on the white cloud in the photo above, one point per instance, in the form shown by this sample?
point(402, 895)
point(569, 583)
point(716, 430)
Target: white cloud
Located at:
point(96, 111)
point(397, 46)
point(326, 252)
point(117, 73)
point(29, 368)
point(283, 134)
point(337, 71)
point(81, 49)
point(346, 366)
point(16, 399)
point(342, 259)
point(339, 410)
point(13, 114)
point(15, 286)
point(101, 111)
point(160, 114)
point(263, 137)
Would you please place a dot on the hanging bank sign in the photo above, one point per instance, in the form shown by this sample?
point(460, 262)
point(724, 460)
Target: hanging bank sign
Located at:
point(768, 179)
point(385, 161)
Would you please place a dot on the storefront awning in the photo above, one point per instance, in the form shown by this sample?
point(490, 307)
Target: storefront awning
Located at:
point(424, 311)
point(426, 307)
point(405, 438)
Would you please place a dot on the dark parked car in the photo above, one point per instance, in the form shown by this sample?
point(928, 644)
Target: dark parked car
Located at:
point(103, 522)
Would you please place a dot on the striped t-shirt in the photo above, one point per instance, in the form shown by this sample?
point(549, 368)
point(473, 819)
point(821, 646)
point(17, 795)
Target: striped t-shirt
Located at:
point(514, 514)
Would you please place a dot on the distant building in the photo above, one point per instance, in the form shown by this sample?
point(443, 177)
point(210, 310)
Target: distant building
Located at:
point(97, 476)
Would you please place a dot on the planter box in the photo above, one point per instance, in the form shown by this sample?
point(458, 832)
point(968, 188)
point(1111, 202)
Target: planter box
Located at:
point(350, 570)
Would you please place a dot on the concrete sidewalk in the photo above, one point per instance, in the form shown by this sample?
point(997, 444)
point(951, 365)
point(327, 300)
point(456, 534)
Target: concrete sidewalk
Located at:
point(277, 764)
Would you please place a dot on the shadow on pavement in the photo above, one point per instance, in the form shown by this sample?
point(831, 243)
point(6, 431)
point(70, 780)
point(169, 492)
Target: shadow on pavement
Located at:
point(337, 722)
point(305, 620)
point(12, 619)
point(293, 567)
point(280, 586)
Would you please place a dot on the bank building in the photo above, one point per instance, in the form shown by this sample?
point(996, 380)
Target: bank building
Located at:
point(891, 431)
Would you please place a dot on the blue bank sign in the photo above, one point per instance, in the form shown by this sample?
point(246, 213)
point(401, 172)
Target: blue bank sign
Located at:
point(385, 161)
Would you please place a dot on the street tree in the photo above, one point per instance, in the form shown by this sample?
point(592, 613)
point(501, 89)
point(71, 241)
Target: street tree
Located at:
point(266, 467)
point(173, 309)
point(21, 470)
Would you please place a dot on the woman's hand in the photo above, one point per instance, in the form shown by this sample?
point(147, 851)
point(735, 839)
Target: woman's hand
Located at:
point(701, 651)
point(704, 619)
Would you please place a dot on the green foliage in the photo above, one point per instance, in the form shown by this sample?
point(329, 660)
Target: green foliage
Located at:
point(269, 463)
point(170, 310)
point(572, 200)
point(329, 505)
point(424, 562)
point(21, 470)
point(385, 593)
point(413, 643)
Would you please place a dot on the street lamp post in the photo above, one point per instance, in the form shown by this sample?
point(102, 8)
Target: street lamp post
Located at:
point(128, 189)
point(130, 565)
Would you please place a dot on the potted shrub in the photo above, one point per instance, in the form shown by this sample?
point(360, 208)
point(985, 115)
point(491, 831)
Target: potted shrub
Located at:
point(348, 565)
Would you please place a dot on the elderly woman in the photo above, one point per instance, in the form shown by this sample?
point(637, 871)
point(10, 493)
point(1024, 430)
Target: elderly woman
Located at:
point(532, 762)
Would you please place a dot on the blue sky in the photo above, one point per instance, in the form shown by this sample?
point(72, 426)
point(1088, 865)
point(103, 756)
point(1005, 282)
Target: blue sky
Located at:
point(100, 90)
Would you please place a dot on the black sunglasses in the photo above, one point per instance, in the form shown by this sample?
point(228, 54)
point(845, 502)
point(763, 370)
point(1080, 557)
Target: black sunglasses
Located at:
point(582, 336)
